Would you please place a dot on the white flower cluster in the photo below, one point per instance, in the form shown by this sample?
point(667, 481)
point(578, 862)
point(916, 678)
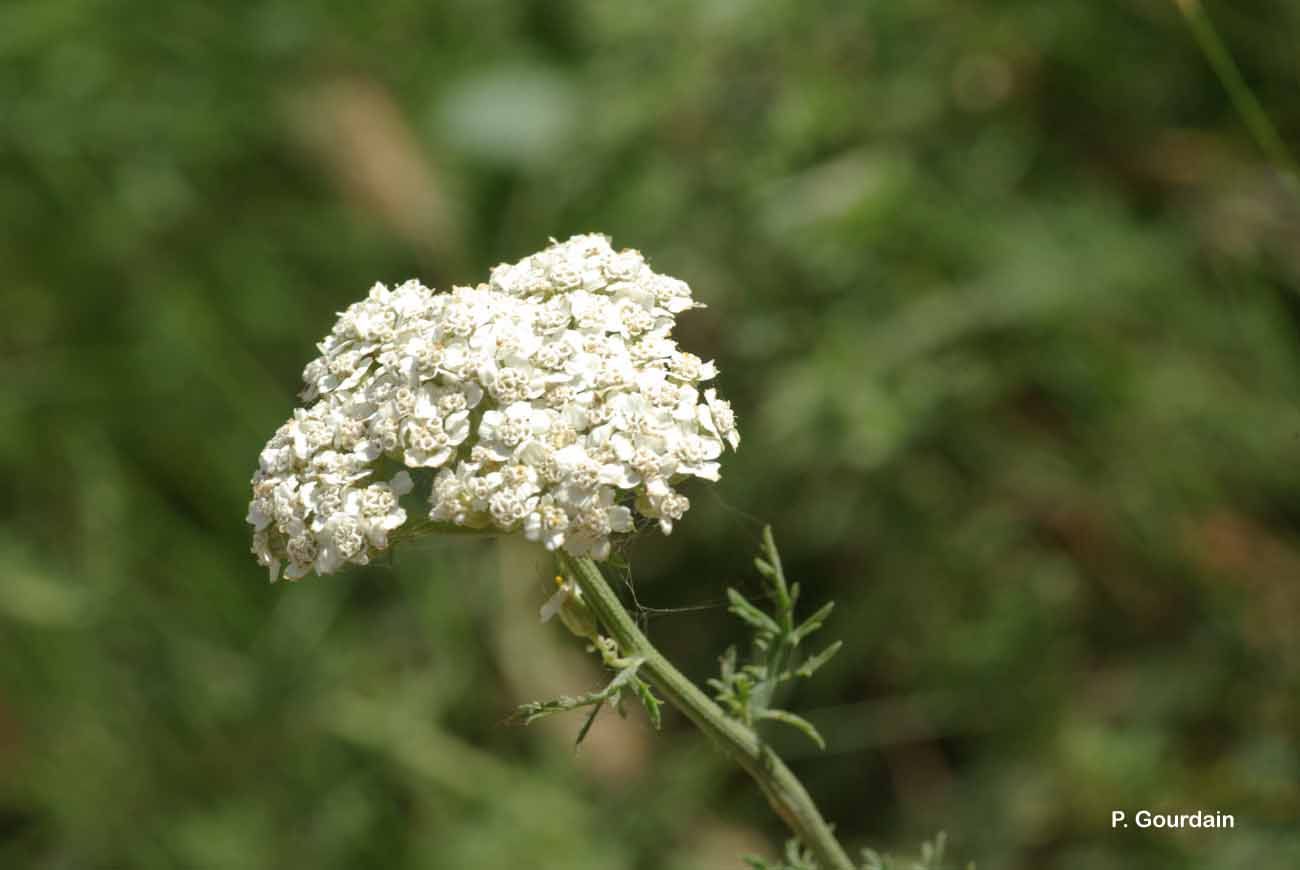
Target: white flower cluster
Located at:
point(548, 400)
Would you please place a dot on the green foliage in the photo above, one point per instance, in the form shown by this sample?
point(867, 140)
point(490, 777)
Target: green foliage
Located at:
point(931, 858)
point(578, 618)
point(798, 858)
point(747, 692)
point(795, 858)
point(625, 679)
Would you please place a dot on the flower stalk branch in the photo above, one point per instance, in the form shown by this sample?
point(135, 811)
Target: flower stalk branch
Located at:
point(786, 794)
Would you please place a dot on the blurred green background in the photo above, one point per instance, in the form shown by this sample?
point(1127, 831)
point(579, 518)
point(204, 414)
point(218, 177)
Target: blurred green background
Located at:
point(1009, 306)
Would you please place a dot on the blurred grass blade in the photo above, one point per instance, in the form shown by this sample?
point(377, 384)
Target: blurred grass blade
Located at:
point(1248, 106)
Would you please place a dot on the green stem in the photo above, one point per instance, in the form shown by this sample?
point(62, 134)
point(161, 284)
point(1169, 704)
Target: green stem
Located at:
point(783, 789)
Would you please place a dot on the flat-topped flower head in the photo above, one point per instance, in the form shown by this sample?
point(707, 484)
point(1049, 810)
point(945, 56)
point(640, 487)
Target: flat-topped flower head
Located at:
point(551, 400)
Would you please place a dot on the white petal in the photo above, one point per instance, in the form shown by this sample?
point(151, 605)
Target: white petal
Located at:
point(620, 518)
point(620, 475)
point(554, 603)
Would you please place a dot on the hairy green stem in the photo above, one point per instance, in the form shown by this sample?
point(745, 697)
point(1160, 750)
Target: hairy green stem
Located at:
point(783, 789)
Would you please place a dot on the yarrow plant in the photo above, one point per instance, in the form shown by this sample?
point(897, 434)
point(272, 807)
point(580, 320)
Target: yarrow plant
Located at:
point(550, 402)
